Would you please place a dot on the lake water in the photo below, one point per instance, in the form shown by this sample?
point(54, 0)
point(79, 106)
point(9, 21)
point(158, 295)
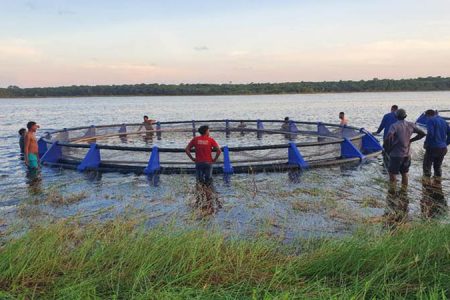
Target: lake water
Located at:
point(324, 201)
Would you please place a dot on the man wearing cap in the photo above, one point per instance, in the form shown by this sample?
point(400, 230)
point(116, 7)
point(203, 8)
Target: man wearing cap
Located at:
point(204, 145)
point(398, 143)
point(31, 146)
point(438, 137)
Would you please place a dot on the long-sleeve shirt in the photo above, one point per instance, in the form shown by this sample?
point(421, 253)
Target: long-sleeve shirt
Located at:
point(438, 133)
point(386, 122)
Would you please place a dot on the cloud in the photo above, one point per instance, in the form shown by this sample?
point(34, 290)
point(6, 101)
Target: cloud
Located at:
point(65, 12)
point(18, 49)
point(201, 48)
point(30, 5)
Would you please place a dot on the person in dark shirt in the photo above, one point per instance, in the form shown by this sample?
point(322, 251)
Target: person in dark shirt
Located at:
point(438, 135)
point(387, 121)
point(22, 132)
point(385, 125)
point(398, 145)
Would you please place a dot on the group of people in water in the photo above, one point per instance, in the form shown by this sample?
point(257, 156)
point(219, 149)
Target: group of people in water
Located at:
point(398, 134)
point(397, 138)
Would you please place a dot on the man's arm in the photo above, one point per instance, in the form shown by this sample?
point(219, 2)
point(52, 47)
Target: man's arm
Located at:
point(448, 134)
point(188, 150)
point(218, 152)
point(216, 147)
point(382, 125)
point(419, 134)
point(27, 146)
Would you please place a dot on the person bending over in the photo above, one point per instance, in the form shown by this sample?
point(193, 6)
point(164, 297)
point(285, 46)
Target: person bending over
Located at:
point(438, 137)
point(204, 145)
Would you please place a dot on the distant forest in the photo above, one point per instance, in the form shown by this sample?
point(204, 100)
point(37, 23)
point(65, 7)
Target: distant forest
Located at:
point(374, 85)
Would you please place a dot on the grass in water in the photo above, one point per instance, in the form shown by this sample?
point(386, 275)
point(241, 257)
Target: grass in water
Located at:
point(120, 260)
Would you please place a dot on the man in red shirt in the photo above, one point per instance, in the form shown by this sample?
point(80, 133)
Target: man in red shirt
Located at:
point(204, 145)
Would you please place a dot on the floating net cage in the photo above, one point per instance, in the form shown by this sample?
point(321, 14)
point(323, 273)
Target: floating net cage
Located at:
point(247, 145)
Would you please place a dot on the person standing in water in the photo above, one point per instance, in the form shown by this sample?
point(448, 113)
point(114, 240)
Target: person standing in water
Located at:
point(31, 149)
point(204, 145)
point(398, 142)
point(22, 132)
point(438, 137)
point(148, 125)
point(343, 118)
point(385, 125)
point(387, 121)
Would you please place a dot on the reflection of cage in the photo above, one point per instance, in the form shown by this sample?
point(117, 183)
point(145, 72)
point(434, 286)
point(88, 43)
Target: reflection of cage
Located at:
point(249, 145)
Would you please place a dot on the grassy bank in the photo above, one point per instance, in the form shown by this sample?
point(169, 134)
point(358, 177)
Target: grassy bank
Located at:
point(116, 260)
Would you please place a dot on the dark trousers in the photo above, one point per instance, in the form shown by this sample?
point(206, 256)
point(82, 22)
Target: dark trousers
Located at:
point(204, 172)
point(433, 157)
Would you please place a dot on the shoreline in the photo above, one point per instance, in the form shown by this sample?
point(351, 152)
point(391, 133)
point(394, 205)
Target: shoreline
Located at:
point(225, 95)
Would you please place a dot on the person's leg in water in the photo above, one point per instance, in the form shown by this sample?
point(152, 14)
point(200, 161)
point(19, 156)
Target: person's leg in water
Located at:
point(427, 163)
point(438, 158)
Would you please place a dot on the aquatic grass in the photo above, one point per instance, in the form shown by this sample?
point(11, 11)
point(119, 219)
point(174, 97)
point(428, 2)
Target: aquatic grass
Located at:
point(119, 259)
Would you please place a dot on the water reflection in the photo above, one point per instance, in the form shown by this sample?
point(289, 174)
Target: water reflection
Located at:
point(433, 203)
point(396, 204)
point(34, 181)
point(206, 198)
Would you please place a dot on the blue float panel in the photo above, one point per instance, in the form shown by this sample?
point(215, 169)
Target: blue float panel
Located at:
point(91, 160)
point(53, 154)
point(153, 163)
point(369, 143)
point(348, 150)
point(42, 146)
point(295, 157)
point(227, 167)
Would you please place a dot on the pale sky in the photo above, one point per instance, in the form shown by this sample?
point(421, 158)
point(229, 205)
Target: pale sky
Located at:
point(53, 43)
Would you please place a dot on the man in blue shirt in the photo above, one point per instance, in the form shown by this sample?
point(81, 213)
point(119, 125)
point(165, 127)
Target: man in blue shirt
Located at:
point(387, 121)
point(438, 137)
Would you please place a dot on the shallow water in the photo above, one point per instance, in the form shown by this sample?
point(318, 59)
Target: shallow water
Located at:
point(322, 201)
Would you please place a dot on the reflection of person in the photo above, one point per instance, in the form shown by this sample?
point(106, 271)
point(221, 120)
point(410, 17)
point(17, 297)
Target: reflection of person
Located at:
point(31, 149)
point(438, 133)
point(203, 145)
point(433, 202)
point(22, 132)
point(397, 205)
point(343, 118)
point(398, 146)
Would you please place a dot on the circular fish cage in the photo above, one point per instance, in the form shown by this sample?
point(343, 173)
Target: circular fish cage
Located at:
point(247, 145)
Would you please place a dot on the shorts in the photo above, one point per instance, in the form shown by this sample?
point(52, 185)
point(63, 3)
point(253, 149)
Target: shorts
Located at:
point(204, 172)
point(32, 161)
point(399, 165)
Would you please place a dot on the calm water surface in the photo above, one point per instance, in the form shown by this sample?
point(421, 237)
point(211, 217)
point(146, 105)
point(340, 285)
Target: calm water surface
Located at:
point(323, 201)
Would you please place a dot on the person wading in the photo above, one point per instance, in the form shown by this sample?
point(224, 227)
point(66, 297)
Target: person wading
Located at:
point(31, 149)
point(204, 145)
point(438, 137)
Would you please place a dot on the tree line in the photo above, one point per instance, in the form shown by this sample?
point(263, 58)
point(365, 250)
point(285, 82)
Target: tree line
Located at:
point(303, 87)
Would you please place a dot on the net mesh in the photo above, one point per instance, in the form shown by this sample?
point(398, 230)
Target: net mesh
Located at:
point(315, 143)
